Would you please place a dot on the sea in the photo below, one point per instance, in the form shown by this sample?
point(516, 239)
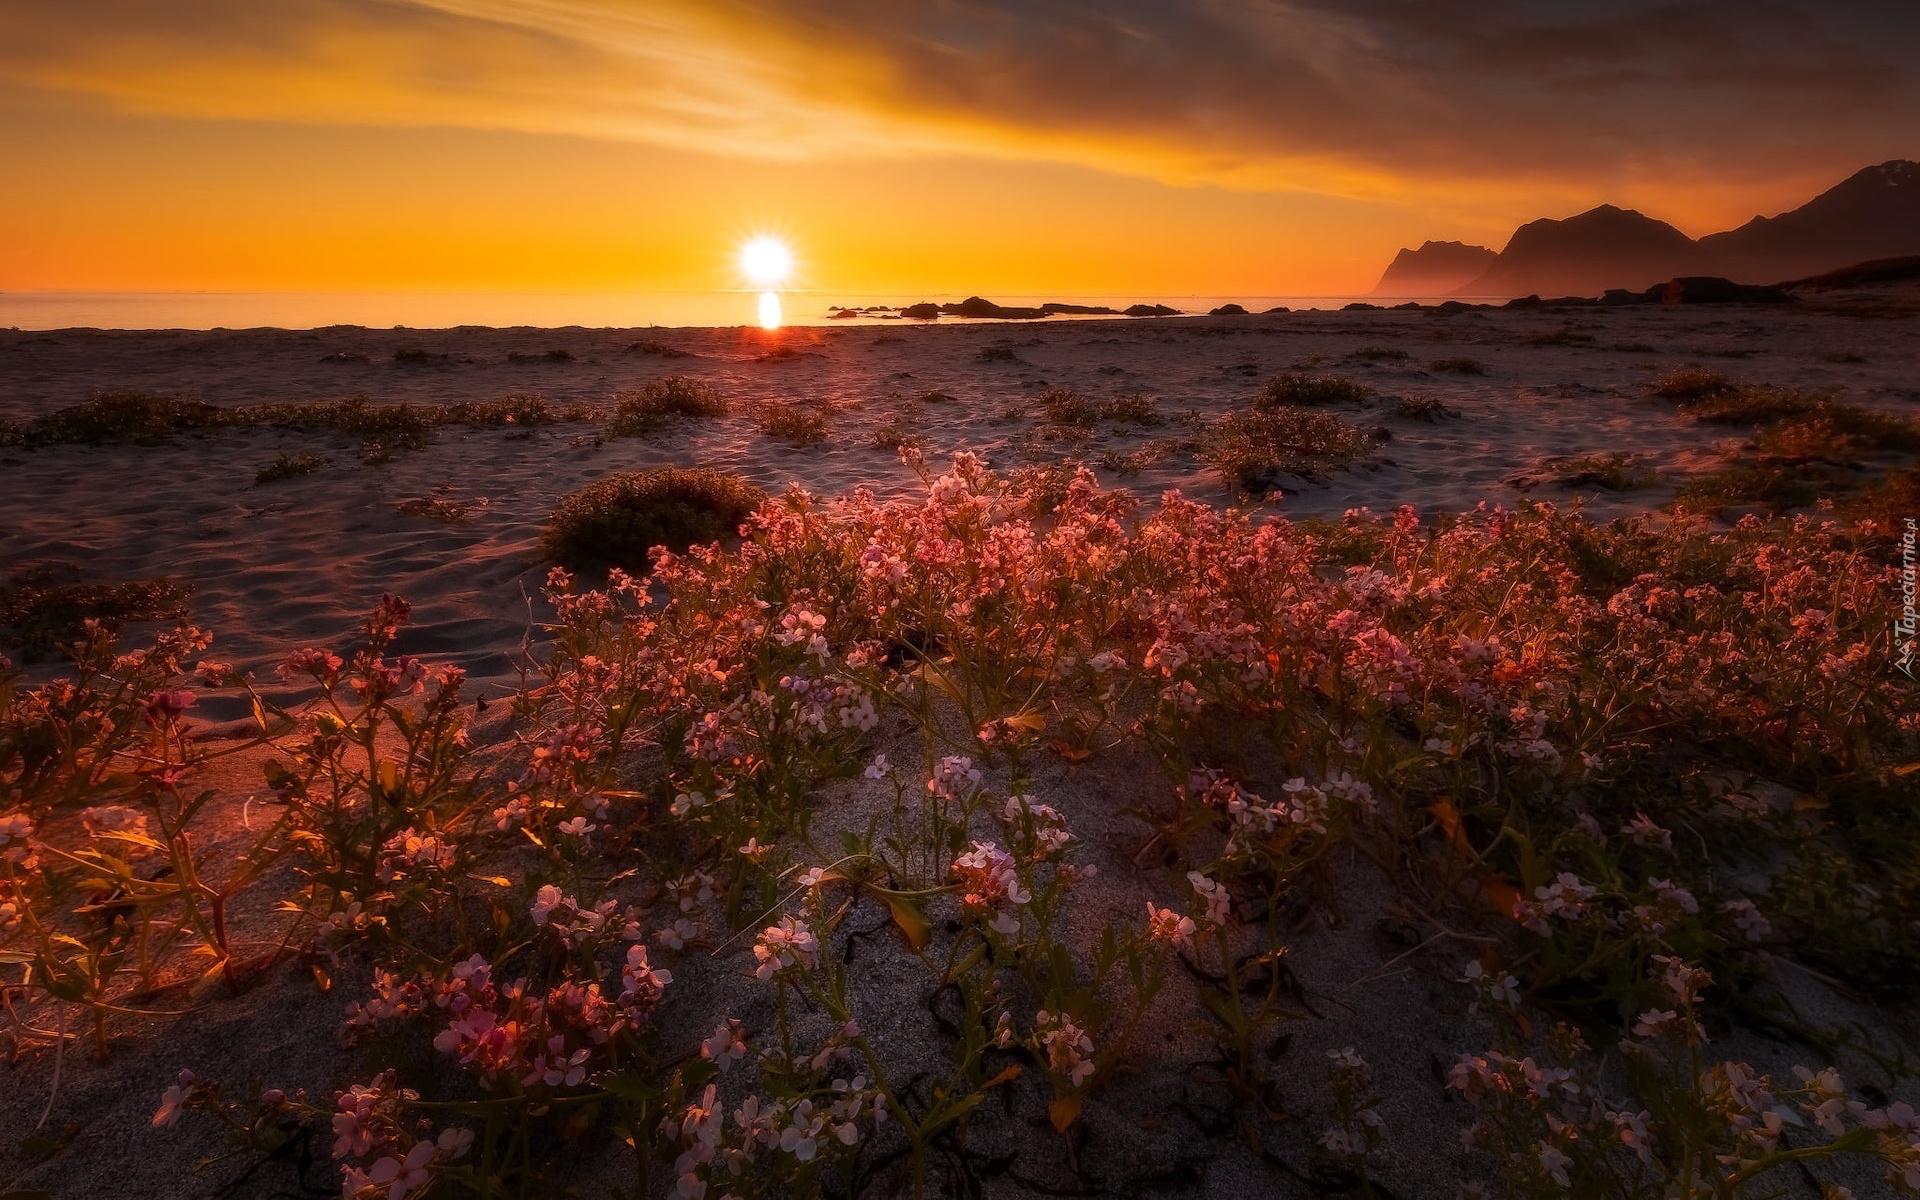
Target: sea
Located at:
point(549, 310)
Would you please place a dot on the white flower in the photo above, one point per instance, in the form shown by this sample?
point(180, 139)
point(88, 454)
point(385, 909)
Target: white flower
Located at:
point(1219, 902)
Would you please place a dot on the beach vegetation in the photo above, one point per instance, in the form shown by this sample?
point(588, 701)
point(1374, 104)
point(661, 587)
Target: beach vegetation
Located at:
point(1134, 408)
point(620, 519)
point(52, 605)
point(1064, 406)
point(1424, 408)
point(805, 864)
point(1690, 385)
point(1614, 470)
point(1566, 335)
point(658, 348)
point(112, 418)
point(1250, 448)
point(892, 435)
point(794, 424)
point(1296, 390)
point(289, 466)
point(662, 403)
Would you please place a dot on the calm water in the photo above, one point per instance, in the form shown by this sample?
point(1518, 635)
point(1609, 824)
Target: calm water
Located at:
point(442, 310)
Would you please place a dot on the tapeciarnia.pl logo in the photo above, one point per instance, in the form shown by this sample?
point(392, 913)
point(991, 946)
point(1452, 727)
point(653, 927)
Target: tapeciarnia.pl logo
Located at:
point(1903, 626)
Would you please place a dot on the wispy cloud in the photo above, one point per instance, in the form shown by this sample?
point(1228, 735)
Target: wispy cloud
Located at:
point(1440, 98)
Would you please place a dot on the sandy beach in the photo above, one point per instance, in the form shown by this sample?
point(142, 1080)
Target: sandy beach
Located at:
point(455, 529)
point(286, 563)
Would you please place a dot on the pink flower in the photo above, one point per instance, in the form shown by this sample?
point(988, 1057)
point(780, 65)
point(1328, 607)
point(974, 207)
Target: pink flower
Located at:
point(1166, 925)
point(401, 1176)
point(174, 1101)
point(725, 1046)
point(165, 707)
point(788, 944)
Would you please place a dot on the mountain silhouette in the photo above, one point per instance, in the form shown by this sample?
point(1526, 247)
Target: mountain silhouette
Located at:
point(1872, 214)
point(1604, 247)
point(1435, 269)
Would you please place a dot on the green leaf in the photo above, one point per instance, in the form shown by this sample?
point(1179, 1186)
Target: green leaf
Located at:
point(1229, 1014)
point(137, 839)
point(625, 1085)
point(907, 915)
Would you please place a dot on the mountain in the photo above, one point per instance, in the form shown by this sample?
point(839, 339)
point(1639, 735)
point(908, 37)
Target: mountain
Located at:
point(1876, 273)
point(1604, 247)
point(1435, 269)
point(1875, 213)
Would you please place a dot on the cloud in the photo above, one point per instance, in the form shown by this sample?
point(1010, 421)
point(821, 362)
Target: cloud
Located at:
point(1439, 99)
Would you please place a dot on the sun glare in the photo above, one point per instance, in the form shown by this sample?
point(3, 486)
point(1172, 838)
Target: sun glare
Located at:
point(769, 310)
point(766, 261)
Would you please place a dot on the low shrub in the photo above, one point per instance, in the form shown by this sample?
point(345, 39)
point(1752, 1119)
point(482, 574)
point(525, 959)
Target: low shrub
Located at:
point(1738, 406)
point(111, 417)
point(1134, 408)
point(118, 417)
point(288, 466)
point(1563, 336)
point(617, 520)
point(792, 423)
point(662, 402)
point(1457, 366)
point(1132, 462)
point(1250, 448)
point(1615, 471)
point(658, 348)
point(1307, 390)
point(1064, 406)
point(1888, 504)
point(45, 607)
point(891, 435)
point(442, 506)
point(1768, 484)
point(1835, 433)
point(1423, 408)
point(1691, 384)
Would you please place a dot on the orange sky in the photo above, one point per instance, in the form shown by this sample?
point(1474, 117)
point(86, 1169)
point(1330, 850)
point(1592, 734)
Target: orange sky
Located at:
point(1256, 147)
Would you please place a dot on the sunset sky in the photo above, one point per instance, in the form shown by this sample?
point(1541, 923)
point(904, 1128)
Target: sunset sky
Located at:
point(1023, 146)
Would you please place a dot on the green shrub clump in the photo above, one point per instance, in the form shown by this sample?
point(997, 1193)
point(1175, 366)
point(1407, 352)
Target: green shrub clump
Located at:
point(1249, 449)
point(792, 423)
point(618, 520)
point(662, 402)
point(1295, 390)
point(1691, 384)
point(1423, 408)
point(46, 607)
point(1065, 406)
point(1134, 408)
point(288, 466)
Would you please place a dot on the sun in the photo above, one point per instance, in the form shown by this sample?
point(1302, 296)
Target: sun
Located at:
point(766, 261)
